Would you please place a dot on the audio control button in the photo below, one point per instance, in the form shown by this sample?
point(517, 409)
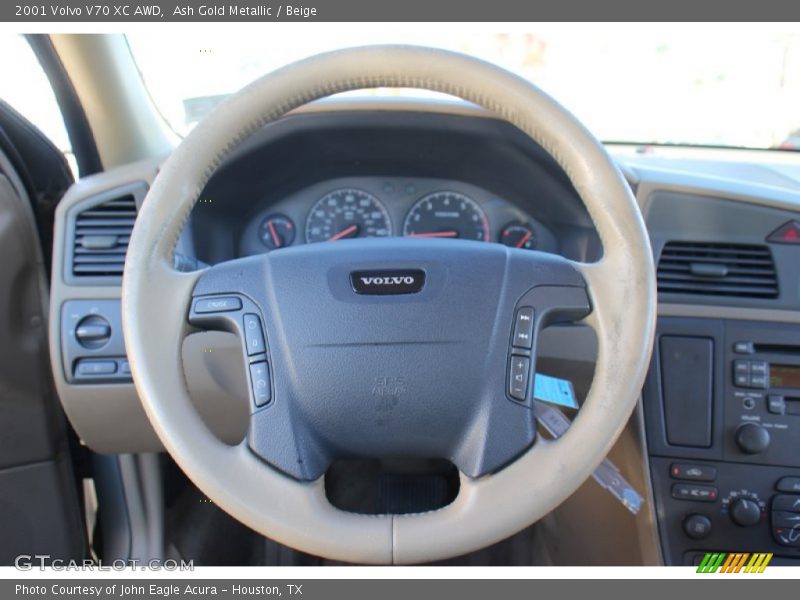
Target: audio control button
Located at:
point(523, 328)
point(758, 381)
point(776, 405)
point(743, 347)
point(518, 376)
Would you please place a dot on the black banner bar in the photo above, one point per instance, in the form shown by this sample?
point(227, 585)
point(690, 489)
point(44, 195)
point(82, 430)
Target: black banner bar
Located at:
point(125, 11)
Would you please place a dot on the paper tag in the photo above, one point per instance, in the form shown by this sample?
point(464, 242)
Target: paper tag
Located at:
point(607, 474)
point(554, 391)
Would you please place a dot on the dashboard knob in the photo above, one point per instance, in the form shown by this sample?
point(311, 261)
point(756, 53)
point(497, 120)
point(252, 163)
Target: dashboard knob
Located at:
point(93, 332)
point(697, 526)
point(752, 438)
point(745, 513)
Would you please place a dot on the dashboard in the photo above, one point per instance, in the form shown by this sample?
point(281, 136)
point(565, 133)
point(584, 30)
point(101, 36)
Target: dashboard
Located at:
point(714, 445)
point(392, 206)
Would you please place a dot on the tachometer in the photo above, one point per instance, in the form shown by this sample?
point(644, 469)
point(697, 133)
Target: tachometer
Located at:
point(447, 215)
point(347, 213)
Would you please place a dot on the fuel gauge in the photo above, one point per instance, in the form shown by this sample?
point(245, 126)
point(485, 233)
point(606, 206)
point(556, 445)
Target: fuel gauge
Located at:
point(518, 235)
point(276, 231)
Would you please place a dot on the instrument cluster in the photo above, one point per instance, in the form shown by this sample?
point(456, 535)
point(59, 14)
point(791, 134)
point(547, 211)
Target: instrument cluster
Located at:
point(381, 207)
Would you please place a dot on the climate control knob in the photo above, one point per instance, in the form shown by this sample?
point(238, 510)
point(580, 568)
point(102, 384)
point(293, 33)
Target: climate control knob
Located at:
point(752, 438)
point(697, 526)
point(744, 512)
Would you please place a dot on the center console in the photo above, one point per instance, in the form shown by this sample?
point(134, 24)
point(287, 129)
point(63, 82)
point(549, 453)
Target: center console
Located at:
point(722, 413)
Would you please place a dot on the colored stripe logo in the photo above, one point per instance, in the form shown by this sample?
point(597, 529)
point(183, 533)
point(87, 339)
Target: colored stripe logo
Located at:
point(737, 562)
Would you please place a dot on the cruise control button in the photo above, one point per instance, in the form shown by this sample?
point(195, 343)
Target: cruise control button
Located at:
point(788, 484)
point(787, 502)
point(523, 328)
point(692, 472)
point(518, 377)
point(259, 375)
point(253, 335)
point(215, 305)
point(94, 368)
point(699, 493)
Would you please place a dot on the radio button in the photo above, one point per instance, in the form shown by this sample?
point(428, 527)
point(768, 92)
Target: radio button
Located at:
point(741, 379)
point(743, 347)
point(758, 381)
point(741, 366)
point(788, 484)
point(776, 405)
point(759, 366)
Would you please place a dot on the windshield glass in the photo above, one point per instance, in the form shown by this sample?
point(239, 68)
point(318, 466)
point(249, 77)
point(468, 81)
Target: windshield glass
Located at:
point(710, 84)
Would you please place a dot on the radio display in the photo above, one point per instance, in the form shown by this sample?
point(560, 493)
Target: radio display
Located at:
point(784, 376)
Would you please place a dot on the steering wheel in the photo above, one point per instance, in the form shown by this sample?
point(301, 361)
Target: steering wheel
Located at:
point(391, 347)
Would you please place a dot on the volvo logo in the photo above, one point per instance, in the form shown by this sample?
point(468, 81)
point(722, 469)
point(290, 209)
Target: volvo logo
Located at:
point(393, 281)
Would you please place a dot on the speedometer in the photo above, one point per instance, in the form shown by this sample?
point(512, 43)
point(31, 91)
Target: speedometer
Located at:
point(447, 215)
point(347, 213)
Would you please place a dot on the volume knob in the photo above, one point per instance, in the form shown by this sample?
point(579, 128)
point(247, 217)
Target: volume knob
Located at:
point(752, 438)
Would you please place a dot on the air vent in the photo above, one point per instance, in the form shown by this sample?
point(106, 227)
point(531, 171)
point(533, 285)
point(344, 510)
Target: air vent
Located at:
point(711, 269)
point(101, 237)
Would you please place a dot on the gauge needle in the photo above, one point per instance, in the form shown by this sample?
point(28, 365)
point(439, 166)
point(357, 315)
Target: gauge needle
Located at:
point(274, 234)
point(343, 233)
point(436, 234)
point(524, 239)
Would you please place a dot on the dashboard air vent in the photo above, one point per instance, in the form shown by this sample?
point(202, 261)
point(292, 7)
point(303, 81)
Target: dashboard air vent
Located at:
point(717, 269)
point(101, 237)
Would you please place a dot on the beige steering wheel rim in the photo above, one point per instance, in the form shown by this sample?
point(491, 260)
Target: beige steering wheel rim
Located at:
point(155, 303)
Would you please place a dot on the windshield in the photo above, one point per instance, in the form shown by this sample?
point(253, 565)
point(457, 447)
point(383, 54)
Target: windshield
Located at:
point(710, 84)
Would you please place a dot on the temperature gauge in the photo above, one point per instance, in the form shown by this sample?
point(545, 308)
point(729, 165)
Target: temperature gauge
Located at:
point(276, 232)
point(518, 235)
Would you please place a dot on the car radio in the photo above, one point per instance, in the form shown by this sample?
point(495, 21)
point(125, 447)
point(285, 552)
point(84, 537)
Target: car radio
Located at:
point(722, 413)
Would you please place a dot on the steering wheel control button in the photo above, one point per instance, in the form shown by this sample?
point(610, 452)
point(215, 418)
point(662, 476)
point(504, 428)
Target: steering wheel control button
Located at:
point(217, 305)
point(697, 527)
point(259, 376)
point(698, 493)
point(95, 368)
point(518, 376)
point(254, 335)
point(788, 484)
point(689, 472)
point(523, 328)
